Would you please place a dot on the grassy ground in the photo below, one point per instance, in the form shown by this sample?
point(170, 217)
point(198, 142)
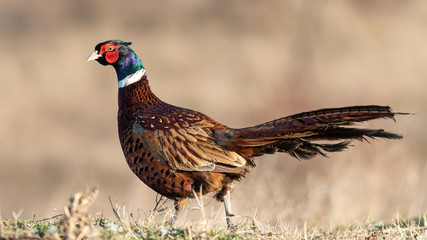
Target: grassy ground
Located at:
point(77, 223)
point(102, 228)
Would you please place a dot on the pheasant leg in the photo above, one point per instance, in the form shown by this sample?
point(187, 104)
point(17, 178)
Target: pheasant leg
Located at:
point(179, 205)
point(227, 206)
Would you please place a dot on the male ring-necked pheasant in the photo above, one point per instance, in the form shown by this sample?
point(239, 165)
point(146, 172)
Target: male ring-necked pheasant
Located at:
point(178, 152)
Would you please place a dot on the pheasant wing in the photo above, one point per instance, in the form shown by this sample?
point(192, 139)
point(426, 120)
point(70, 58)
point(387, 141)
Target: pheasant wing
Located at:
point(184, 140)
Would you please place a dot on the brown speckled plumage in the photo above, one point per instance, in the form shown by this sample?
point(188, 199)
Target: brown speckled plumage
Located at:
point(179, 152)
point(141, 114)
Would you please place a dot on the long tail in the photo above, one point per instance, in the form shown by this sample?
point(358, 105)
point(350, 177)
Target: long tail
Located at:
point(298, 134)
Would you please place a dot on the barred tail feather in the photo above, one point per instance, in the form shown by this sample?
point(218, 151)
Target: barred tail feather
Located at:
point(295, 134)
point(338, 133)
point(307, 150)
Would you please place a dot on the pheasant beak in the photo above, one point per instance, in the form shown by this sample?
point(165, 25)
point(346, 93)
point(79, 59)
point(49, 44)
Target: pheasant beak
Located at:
point(94, 56)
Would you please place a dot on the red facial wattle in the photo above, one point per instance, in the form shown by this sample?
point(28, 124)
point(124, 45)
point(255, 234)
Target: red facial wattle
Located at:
point(111, 52)
point(112, 57)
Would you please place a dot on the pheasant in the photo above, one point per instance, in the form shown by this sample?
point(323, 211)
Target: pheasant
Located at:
point(181, 153)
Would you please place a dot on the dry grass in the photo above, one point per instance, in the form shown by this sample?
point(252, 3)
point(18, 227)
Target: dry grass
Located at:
point(241, 63)
point(76, 223)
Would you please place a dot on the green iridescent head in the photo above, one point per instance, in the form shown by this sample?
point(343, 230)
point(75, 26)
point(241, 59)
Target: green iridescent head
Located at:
point(118, 54)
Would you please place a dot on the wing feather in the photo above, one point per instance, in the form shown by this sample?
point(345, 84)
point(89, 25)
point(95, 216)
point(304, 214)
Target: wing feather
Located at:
point(188, 146)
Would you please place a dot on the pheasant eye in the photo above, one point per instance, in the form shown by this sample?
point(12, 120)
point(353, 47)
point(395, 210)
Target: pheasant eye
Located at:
point(110, 48)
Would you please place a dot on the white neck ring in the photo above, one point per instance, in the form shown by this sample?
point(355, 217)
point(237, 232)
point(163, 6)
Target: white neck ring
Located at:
point(132, 78)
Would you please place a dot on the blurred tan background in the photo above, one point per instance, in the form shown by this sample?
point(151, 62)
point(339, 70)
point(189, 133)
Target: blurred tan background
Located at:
point(240, 62)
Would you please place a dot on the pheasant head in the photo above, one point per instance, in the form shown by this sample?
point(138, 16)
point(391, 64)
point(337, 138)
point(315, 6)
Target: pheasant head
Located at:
point(128, 66)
